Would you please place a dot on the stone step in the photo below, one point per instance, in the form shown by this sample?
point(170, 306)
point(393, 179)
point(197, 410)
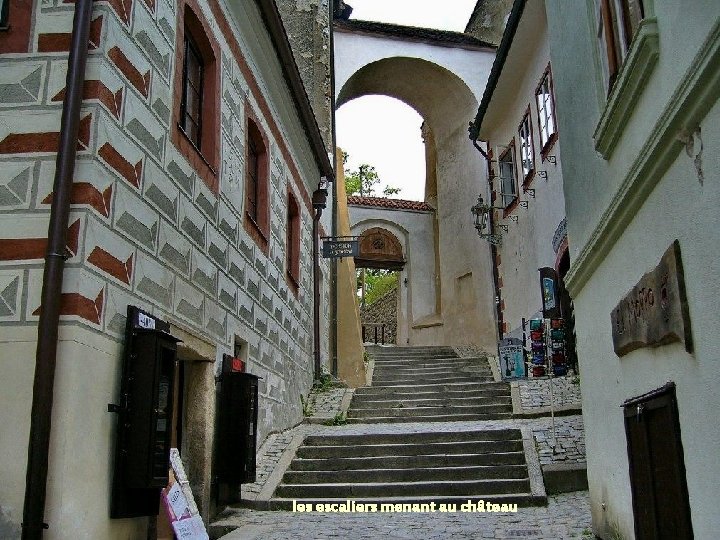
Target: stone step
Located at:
point(405, 380)
point(425, 437)
point(428, 411)
point(417, 474)
point(421, 449)
point(489, 388)
point(521, 499)
point(407, 462)
point(431, 418)
point(434, 402)
point(447, 363)
point(469, 488)
point(479, 392)
point(465, 368)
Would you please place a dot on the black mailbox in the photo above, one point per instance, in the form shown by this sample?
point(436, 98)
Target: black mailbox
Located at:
point(145, 412)
point(237, 428)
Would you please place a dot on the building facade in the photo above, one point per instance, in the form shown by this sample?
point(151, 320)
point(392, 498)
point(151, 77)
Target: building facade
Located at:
point(637, 85)
point(198, 154)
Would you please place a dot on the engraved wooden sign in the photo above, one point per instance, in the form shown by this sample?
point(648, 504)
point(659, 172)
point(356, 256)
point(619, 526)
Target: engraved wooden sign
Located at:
point(655, 311)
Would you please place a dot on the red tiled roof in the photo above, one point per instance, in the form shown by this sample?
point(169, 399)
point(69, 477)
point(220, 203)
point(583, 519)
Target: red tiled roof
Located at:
point(392, 204)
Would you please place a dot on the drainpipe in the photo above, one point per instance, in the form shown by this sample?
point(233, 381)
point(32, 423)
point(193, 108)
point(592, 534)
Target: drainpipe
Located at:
point(46, 353)
point(319, 201)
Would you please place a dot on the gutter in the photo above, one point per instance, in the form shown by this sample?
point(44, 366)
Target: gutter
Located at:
point(497, 67)
point(46, 353)
point(334, 207)
point(273, 22)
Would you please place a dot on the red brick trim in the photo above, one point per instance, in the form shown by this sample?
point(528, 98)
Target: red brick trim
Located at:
point(86, 193)
point(247, 73)
point(25, 143)
point(77, 304)
point(132, 74)
point(24, 249)
point(122, 7)
point(204, 160)
point(103, 260)
point(98, 90)
point(131, 173)
point(60, 42)
point(16, 39)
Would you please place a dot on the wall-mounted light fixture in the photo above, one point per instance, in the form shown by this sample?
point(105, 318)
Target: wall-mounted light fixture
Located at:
point(481, 216)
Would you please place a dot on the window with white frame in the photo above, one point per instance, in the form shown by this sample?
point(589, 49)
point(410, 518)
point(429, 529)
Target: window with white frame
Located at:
point(527, 159)
point(508, 184)
point(546, 110)
point(618, 21)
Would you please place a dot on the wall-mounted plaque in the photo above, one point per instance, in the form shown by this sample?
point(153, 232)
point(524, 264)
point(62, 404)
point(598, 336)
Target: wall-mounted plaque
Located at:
point(655, 311)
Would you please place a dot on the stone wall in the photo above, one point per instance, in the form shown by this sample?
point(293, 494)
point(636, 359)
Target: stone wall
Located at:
point(488, 19)
point(383, 310)
point(307, 23)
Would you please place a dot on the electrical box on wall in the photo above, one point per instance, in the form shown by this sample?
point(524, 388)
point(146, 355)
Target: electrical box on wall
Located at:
point(145, 413)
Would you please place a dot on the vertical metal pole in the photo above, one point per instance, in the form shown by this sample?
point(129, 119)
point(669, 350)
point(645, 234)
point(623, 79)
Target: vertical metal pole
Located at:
point(316, 291)
point(46, 353)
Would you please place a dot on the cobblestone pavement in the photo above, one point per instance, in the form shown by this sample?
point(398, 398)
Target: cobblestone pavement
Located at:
point(568, 444)
point(535, 393)
point(566, 516)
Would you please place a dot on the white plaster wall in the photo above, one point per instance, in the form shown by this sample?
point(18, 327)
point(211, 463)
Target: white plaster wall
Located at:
point(679, 207)
point(527, 245)
point(354, 51)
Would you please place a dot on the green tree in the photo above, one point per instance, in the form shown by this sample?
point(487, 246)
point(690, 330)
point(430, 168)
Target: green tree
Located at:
point(377, 283)
point(364, 181)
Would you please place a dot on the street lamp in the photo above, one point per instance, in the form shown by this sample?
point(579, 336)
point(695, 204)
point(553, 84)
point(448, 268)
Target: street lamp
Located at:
point(483, 221)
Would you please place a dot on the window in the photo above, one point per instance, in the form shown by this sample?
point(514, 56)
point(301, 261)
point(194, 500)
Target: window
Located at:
point(546, 111)
point(508, 186)
point(191, 106)
point(618, 21)
point(527, 159)
point(16, 18)
point(4, 12)
point(292, 245)
point(196, 110)
point(257, 220)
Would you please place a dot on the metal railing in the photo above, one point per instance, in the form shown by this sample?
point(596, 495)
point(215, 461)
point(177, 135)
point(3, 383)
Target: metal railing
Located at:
point(374, 327)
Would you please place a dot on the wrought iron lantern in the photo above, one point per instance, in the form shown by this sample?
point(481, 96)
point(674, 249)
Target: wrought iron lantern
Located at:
point(483, 223)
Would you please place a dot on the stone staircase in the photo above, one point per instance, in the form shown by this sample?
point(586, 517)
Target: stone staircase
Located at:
point(429, 384)
point(391, 468)
point(392, 464)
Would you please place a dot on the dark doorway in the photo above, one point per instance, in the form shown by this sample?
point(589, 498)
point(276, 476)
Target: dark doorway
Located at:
point(567, 312)
point(657, 467)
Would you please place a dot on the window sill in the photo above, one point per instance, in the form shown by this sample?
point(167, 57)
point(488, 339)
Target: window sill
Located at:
point(528, 179)
point(256, 232)
point(510, 207)
point(548, 146)
point(293, 282)
point(634, 76)
point(196, 158)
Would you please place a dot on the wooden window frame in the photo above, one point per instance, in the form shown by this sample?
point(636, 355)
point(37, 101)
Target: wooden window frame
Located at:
point(616, 33)
point(551, 137)
point(529, 145)
point(192, 49)
point(257, 223)
point(512, 203)
point(292, 242)
point(203, 154)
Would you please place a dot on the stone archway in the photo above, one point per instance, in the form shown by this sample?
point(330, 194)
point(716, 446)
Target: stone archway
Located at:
point(437, 82)
point(379, 248)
